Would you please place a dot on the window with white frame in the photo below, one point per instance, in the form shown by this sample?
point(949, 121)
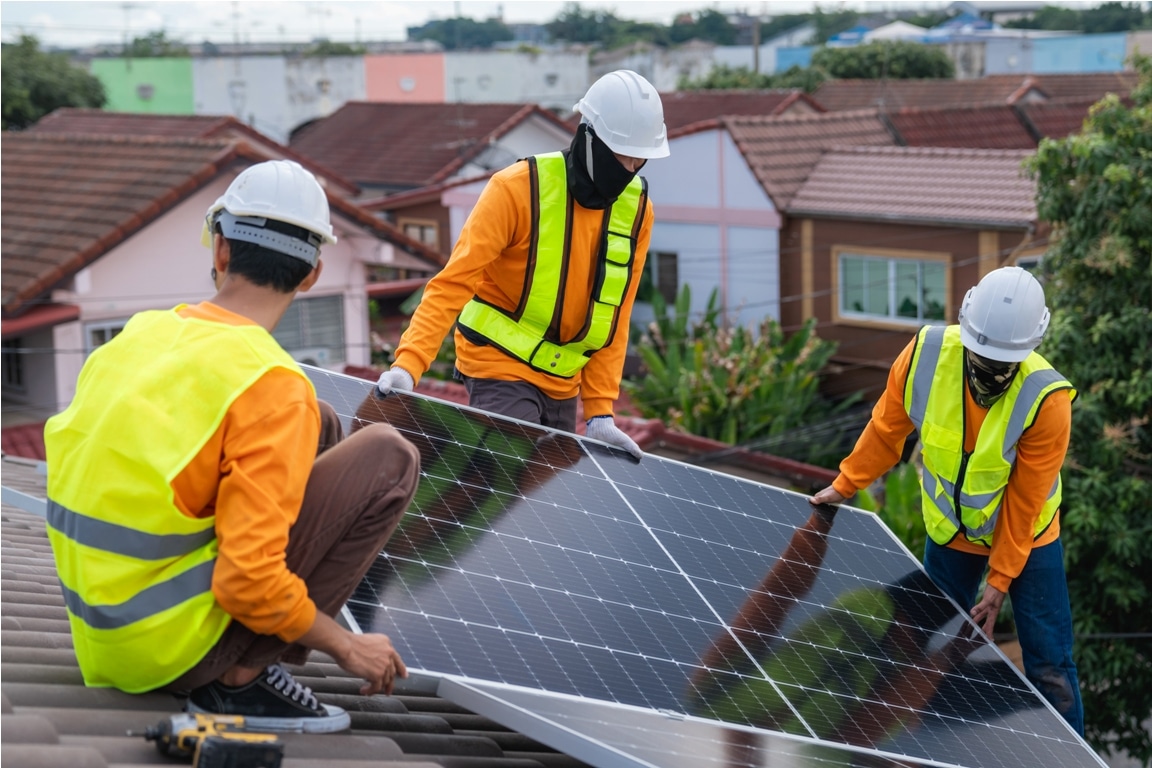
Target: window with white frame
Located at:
point(98, 334)
point(426, 232)
point(888, 287)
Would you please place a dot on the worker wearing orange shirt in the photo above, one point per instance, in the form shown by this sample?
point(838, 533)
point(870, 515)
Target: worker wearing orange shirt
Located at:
point(206, 519)
point(542, 279)
point(994, 420)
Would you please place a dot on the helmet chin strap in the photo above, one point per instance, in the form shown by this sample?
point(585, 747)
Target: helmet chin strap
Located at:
point(588, 152)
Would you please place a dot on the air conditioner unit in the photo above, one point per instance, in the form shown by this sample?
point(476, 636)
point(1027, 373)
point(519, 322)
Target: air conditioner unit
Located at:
point(317, 356)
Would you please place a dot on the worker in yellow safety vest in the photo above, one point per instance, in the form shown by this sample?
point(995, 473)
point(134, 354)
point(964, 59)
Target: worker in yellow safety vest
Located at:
point(542, 280)
point(994, 420)
point(206, 517)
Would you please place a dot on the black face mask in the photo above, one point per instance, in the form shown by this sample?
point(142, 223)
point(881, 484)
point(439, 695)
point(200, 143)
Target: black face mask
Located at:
point(598, 183)
point(988, 380)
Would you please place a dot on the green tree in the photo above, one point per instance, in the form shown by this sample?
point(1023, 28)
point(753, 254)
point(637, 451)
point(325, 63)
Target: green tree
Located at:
point(1095, 188)
point(1113, 17)
point(36, 82)
point(830, 24)
point(731, 384)
point(1050, 17)
point(329, 48)
point(462, 33)
point(722, 76)
point(710, 25)
point(897, 59)
point(155, 45)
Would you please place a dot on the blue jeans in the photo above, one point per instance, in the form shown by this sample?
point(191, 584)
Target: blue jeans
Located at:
point(1041, 611)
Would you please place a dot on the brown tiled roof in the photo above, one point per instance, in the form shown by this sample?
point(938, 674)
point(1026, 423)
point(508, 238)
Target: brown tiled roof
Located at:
point(984, 187)
point(844, 94)
point(74, 120)
point(1057, 118)
point(51, 719)
point(1091, 85)
point(69, 199)
point(683, 108)
point(24, 440)
point(407, 145)
point(985, 126)
point(782, 150)
point(1005, 89)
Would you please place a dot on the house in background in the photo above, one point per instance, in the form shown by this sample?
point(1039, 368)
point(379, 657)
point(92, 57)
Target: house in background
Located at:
point(97, 228)
point(887, 239)
point(388, 148)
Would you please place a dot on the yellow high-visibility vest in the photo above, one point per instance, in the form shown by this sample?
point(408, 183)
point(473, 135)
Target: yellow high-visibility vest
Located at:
point(962, 493)
point(135, 571)
point(524, 332)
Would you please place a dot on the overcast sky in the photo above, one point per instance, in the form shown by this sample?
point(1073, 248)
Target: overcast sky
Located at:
point(75, 24)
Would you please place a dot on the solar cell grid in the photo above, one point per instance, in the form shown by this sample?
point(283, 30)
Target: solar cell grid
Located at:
point(534, 558)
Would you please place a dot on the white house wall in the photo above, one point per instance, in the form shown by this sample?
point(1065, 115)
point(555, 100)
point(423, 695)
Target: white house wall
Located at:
point(714, 214)
point(554, 80)
point(275, 94)
point(531, 137)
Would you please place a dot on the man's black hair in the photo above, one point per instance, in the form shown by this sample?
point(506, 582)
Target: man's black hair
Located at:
point(263, 266)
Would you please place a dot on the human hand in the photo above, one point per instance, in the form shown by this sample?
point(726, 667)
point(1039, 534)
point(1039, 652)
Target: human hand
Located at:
point(827, 496)
point(373, 658)
point(394, 380)
point(604, 429)
point(984, 613)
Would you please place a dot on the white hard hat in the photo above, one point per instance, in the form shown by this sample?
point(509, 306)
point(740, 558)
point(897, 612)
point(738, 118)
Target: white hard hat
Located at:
point(1004, 317)
point(280, 190)
point(626, 113)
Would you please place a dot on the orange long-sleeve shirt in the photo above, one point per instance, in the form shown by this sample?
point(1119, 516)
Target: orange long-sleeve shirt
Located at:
point(490, 260)
point(1040, 454)
point(251, 474)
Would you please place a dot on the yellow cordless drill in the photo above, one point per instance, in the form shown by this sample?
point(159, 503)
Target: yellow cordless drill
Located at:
point(215, 741)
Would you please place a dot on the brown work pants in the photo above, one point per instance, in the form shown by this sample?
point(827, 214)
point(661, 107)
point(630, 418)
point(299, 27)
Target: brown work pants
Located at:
point(356, 494)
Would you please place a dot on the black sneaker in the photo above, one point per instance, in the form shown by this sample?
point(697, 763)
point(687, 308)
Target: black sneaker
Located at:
point(275, 701)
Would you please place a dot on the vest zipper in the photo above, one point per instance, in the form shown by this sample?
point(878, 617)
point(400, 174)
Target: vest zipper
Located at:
point(956, 500)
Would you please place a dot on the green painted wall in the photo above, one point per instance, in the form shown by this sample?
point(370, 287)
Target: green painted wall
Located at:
point(160, 86)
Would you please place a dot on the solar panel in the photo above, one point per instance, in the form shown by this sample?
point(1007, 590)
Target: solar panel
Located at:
point(539, 560)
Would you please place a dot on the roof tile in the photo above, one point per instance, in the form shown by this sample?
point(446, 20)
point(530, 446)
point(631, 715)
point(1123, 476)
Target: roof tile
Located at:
point(986, 126)
point(405, 145)
point(984, 187)
point(682, 108)
point(783, 150)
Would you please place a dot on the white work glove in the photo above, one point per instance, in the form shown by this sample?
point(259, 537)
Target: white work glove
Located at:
point(394, 380)
point(604, 429)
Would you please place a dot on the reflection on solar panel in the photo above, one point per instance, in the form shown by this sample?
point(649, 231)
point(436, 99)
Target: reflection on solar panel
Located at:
point(538, 559)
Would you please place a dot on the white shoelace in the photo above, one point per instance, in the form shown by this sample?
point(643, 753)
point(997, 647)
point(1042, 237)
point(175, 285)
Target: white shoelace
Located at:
point(282, 680)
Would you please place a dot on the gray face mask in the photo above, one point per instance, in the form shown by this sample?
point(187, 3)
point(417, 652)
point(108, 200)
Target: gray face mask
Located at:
point(988, 380)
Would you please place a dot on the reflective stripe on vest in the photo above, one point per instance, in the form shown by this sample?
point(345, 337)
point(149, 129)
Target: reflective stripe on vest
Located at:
point(136, 572)
point(524, 333)
point(934, 400)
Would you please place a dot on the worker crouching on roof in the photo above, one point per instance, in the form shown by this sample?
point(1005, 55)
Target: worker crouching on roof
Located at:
point(542, 280)
point(994, 419)
point(206, 518)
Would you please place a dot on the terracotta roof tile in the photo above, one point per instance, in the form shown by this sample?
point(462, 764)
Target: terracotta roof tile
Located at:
point(986, 126)
point(406, 145)
point(74, 120)
point(24, 440)
point(1006, 89)
point(67, 199)
point(1057, 118)
point(783, 150)
point(850, 93)
point(683, 108)
point(941, 186)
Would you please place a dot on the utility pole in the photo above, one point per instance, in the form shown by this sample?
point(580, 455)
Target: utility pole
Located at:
point(756, 44)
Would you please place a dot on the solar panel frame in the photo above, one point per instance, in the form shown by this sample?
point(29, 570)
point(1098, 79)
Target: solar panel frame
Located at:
point(536, 559)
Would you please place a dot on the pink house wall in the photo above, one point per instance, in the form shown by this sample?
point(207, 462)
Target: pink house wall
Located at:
point(404, 77)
